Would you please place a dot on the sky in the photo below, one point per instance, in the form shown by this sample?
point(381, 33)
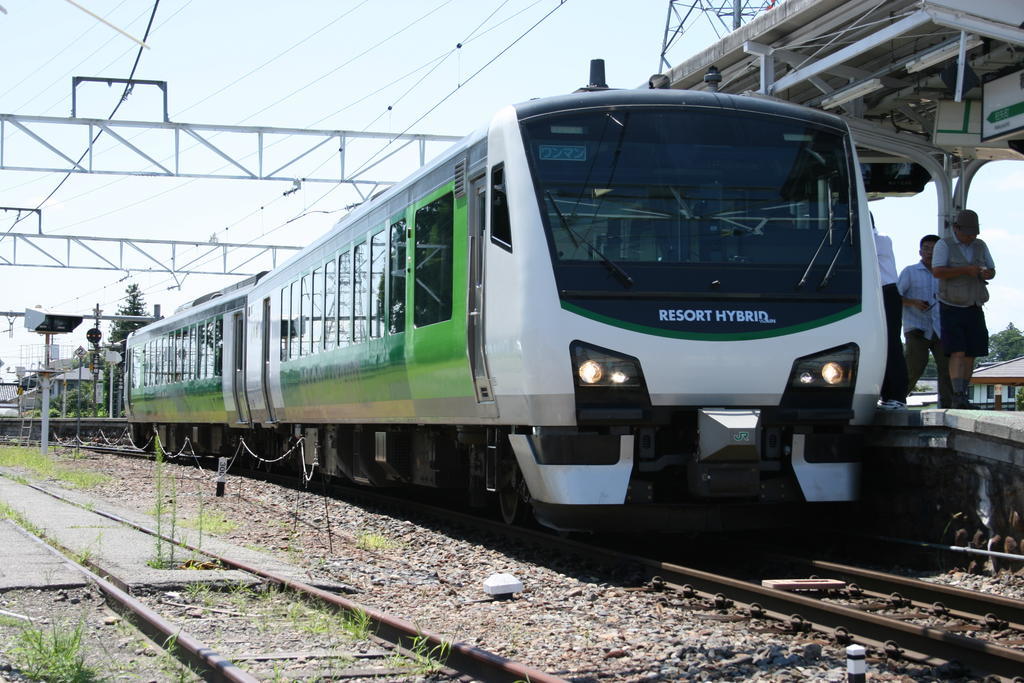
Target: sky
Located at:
point(418, 66)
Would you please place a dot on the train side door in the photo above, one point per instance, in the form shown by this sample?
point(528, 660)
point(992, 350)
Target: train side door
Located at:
point(475, 327)
point(265, 358)
point(238, 372)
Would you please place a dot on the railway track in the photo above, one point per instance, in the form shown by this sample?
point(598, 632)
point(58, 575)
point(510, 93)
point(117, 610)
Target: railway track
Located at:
point(893, 616)
point(452, 658)
point(864, 611)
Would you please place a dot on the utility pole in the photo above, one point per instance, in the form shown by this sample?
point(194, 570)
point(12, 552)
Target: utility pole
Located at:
point(94, 336)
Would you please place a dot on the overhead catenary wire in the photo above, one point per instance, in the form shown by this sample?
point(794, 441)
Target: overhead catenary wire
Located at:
point(124, 96)
point(56, 55)
point(334, 70)
point(471, 36)
point(308, 210)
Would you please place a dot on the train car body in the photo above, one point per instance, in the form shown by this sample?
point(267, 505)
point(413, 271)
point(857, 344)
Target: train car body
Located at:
point(620, 309)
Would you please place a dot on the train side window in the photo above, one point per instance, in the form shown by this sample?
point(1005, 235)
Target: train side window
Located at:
point(396, 285)
point(305, 324)
point(316, 295)
point(175, 356)
point(432, 298)
point(201, 350)
point(295, 314)
point(345, 299)
point(193, 349)
point(283, 314)
point(172, 358)
point(183, 354)
point(165, 359)
point(181, 360)
point(218, 346)
point(330, 304)
point(186, 354)
point(208, 348)
point(360, 283)
point(378, 261)
point(193, 353)
point(501, 226)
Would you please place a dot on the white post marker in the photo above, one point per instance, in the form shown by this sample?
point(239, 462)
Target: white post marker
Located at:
point(222, 475)
point(856, 664)
point(502, 586)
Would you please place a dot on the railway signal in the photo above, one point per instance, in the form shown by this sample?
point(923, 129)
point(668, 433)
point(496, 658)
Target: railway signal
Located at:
point(48, 324)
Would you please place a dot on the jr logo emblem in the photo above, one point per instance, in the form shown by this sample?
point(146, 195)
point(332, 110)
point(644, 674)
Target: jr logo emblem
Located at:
point(741, 436)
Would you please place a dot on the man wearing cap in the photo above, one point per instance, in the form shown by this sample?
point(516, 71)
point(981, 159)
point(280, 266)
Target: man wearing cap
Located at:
point(963, 265)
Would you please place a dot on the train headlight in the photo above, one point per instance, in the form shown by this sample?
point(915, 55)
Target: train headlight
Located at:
point(597, 367)
point(834, 368)
point(609, 386)
point(590, 372)
point(832, 373)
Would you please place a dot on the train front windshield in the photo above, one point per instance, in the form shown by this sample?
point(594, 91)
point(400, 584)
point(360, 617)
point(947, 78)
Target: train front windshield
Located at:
point(695, 200)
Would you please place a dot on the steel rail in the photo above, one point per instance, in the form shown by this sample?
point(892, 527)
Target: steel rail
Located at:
point(462, 657)
point(872, 629)
point(978, 655)
point(214, 667)
point(1006, 609)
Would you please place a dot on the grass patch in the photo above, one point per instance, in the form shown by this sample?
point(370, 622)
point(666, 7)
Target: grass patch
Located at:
point(425, 659)
point(53, 656)
point(211, 521)
point(369, 541)
point(49, 467)
point(7, 512)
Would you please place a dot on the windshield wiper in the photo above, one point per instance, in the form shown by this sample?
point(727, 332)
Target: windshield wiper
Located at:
point(835, 259)
point(826, 236)
point(577, 239)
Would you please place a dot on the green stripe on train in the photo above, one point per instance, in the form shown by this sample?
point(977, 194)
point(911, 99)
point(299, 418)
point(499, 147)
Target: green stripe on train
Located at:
point(428, 362)
point(714, 336)
point(202, 400)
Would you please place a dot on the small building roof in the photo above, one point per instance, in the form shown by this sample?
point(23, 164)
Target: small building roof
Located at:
point(1006, 372)
point(8, 392)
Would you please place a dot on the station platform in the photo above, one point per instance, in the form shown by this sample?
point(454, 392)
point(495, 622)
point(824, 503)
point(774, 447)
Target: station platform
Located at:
point(987, 434)
point(27, 565)
point(947, 477)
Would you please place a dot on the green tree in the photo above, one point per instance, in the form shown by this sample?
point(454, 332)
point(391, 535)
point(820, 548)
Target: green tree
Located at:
point(133, 304)
point(1005, 345)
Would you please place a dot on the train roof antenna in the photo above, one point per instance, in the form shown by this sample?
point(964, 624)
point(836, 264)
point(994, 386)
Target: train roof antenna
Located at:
point(597, 74)
point(597, 81)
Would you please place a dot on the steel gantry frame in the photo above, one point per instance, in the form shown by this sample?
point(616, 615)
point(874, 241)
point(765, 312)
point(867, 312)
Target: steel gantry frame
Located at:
point(109, 253)
point(45, 137)
point(240, 168)
point(723, 15)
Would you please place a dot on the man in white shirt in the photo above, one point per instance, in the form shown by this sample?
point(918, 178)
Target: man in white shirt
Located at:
point(921, 326)
point(894, 383)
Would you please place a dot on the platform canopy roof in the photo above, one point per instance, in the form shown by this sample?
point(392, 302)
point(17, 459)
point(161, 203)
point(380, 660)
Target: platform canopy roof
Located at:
point(890, 66)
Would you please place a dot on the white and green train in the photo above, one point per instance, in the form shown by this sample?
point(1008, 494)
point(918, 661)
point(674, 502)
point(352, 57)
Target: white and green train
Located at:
point(620, 309)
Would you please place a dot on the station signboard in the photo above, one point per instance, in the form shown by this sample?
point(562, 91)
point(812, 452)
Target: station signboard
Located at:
point(1002, 113)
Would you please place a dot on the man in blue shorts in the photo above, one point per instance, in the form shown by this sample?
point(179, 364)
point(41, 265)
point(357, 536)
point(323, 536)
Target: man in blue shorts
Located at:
point(963, 265)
